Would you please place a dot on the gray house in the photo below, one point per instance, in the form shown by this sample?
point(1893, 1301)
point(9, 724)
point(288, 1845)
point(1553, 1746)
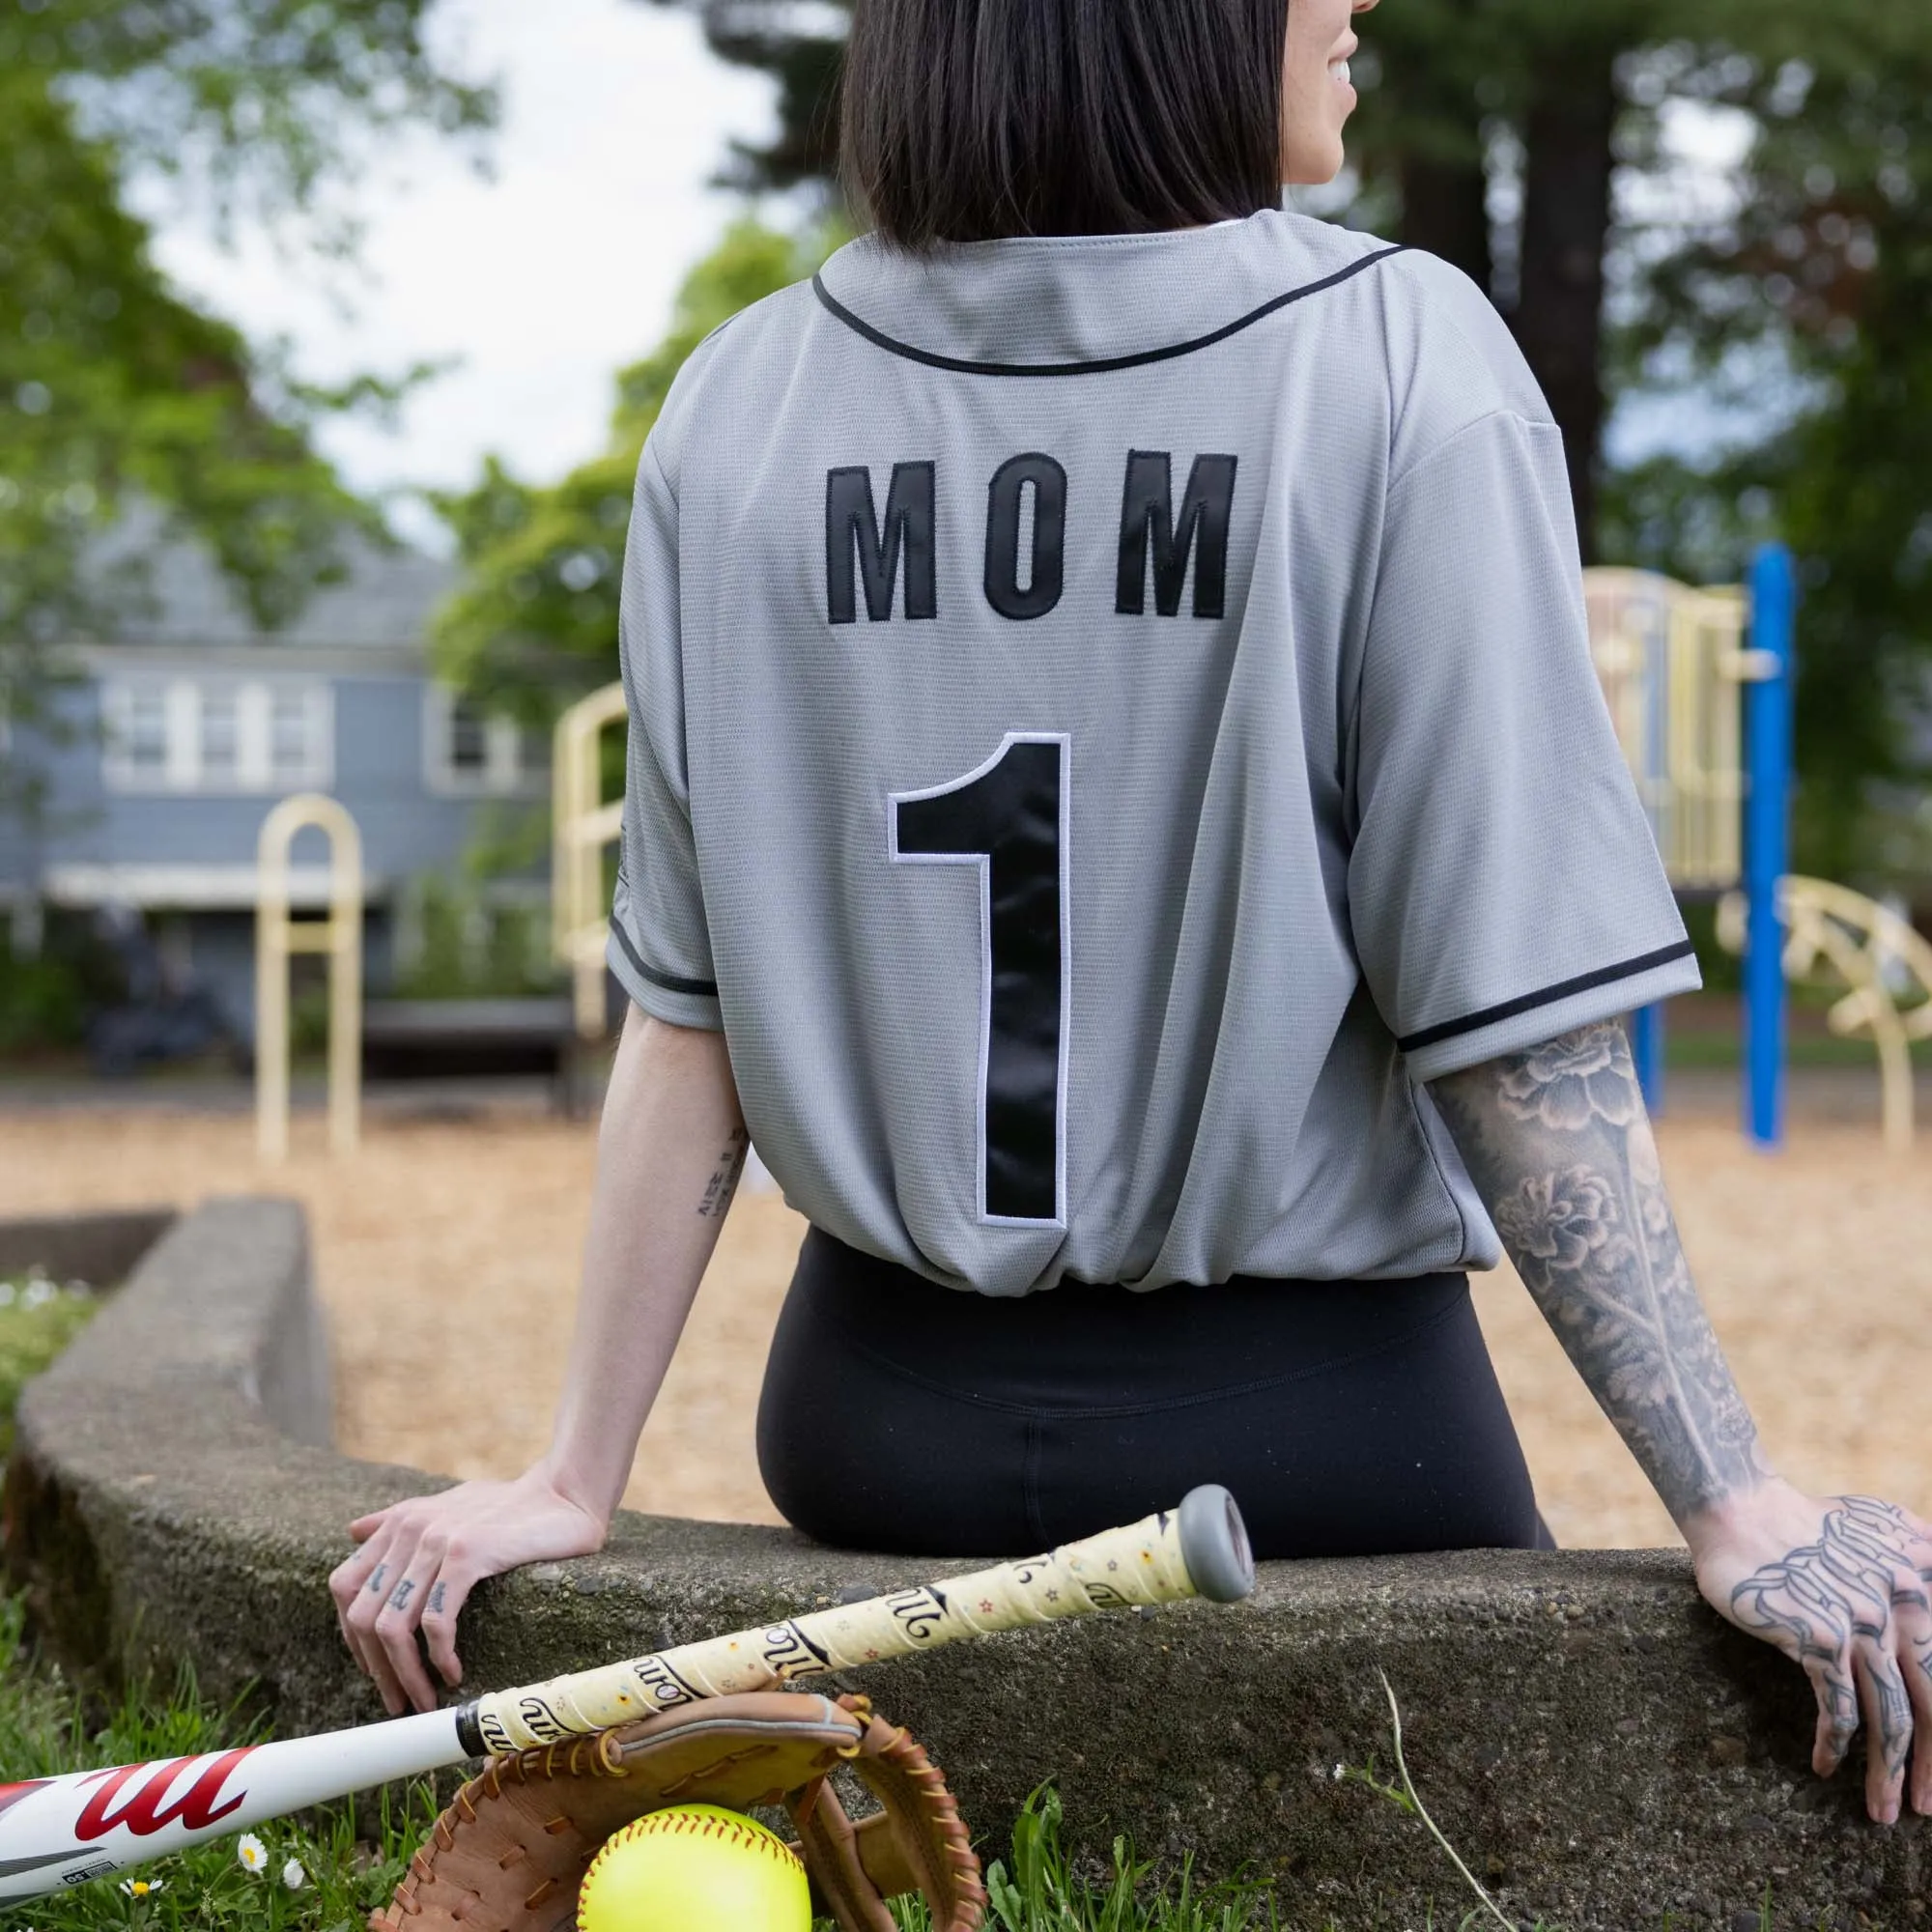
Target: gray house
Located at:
point(184, 732)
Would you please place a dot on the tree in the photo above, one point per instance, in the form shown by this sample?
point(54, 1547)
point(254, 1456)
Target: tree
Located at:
point(115, 392)
point(535, 622)
point(1817, 292)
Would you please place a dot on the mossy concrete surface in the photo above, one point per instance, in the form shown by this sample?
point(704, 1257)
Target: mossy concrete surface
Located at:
point(1599, 1747)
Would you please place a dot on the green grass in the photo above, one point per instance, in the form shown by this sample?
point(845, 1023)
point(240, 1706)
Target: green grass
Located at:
point(38, 1320)
point(46, 1729)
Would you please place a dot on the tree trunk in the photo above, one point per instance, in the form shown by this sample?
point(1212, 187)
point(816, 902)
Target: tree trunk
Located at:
point(1566, 221)
point(1445, 210)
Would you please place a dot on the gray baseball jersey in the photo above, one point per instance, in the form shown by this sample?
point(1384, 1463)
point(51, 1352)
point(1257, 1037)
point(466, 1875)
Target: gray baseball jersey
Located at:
point(1109, 718)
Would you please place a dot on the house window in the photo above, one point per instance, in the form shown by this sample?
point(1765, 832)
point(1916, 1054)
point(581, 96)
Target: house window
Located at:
point(470, 752)
point(144, 733)
point(217, 734)
point(220, 748)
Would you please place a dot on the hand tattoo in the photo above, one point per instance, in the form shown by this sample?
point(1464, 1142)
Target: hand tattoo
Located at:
point(723, 1182)
point(375, 1581)
point(436, 1597)
point(399, 1598)
point(1819, 1599)
point(1560, 1149)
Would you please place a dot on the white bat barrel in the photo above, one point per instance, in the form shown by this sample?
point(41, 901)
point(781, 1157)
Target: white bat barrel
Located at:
point(58, 1832)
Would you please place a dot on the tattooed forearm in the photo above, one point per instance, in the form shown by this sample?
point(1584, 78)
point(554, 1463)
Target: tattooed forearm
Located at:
point(724, 1182)
point(1560, 1149)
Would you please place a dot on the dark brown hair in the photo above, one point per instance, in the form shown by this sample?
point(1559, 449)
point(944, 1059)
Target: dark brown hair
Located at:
point(966, 120)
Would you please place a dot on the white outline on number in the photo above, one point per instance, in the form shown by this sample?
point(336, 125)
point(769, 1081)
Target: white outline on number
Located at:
point(985, 862)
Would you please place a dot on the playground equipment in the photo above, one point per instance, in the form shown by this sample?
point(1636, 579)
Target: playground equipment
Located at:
point(1884, 966)
point(278, 935)
point(1698, 684)
point(583, 824)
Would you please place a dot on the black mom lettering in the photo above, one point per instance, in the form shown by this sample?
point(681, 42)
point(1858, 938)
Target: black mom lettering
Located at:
point(1027, 508)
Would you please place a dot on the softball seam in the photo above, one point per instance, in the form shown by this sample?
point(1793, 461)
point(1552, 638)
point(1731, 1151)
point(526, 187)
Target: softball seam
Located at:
point(671, 1822)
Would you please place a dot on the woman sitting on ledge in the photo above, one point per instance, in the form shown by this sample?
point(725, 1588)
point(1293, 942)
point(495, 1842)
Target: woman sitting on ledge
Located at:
point(1120, 803)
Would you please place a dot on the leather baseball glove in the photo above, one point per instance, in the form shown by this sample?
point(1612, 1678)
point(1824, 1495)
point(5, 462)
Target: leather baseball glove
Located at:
point(511, 1850)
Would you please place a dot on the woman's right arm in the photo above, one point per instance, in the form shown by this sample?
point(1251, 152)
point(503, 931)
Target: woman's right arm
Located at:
point(670, 1150)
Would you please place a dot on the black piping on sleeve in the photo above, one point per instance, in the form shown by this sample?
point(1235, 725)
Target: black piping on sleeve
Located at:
point(1583, 982)
point(704, 989)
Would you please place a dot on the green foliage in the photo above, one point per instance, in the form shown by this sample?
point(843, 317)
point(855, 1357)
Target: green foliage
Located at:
point(1814, 298)
point(38, 1320)
point(535, 623)
point(46, 998)
point(45, 1730)
point(467, 947)
point(116, 395)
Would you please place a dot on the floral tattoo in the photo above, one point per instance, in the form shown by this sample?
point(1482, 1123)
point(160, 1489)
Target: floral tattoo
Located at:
point(1558, 1144)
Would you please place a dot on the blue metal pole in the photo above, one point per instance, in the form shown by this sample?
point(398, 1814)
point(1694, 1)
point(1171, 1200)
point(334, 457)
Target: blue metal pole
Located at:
point(1647, 1050)
point(1773, 599)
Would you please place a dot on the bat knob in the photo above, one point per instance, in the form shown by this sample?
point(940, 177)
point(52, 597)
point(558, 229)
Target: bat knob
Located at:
point(1214, 1544)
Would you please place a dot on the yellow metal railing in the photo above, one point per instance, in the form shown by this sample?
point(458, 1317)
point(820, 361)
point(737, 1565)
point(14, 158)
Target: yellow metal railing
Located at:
point(583, 825)
point(278, 935)
point(1673, 663)
point(1838, 935)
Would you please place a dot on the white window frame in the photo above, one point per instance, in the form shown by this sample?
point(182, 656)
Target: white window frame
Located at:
point(182, 773)
point(504, 774)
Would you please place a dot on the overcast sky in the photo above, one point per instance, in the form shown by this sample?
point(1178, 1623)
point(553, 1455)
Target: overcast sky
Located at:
point(543, 280)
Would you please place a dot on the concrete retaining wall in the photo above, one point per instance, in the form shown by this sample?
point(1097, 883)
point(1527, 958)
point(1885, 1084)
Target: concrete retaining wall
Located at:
point(98, 1249)
point(1604, 1750)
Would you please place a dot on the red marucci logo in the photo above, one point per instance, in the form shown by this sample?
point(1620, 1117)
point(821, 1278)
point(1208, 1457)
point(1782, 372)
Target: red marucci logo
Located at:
point(148, 1810)
point(12, 1794)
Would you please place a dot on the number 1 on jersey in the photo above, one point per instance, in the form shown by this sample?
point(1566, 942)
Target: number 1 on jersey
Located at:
point(1008, 819)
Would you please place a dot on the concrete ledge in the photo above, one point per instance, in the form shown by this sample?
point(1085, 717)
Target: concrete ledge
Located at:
point(1601, 1748)
point(98, 1249)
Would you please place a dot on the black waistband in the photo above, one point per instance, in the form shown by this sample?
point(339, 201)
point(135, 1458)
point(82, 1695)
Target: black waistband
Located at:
point(1079, 1345)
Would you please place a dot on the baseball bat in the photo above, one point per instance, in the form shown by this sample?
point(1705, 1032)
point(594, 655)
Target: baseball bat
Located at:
point(58, 1832)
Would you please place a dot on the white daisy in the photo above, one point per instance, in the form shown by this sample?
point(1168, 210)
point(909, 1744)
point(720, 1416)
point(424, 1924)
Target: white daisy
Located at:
point(252, 1852)
point(142, 1888)
point(292, 1875)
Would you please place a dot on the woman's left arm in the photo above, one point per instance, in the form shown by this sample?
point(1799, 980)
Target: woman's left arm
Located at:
point(1560, 1148)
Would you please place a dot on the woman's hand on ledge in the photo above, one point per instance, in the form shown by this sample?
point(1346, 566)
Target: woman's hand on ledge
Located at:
point(1838, 1584)
point(419, 1560)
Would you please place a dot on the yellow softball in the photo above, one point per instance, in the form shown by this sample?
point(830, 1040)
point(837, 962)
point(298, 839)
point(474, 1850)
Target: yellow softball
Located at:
point(694, 1869)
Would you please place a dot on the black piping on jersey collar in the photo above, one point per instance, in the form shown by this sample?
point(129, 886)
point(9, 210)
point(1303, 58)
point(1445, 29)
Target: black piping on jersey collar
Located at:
point(704, 989)
point(1584, 982)
point(1102, 365)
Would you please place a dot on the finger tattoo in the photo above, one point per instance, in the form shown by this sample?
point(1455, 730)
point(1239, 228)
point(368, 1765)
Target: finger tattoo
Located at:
point(400, 1596)
point(436, 1597)
point(375, 1581)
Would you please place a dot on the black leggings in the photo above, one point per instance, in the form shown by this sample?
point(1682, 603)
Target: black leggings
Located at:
point(1347, 1418)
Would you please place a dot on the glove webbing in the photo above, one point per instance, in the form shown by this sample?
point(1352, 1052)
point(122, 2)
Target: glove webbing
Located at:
point(853, 1868)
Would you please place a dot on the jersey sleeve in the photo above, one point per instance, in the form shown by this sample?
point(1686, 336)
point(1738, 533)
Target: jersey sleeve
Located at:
point(1504, 886)
point(660, 946)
